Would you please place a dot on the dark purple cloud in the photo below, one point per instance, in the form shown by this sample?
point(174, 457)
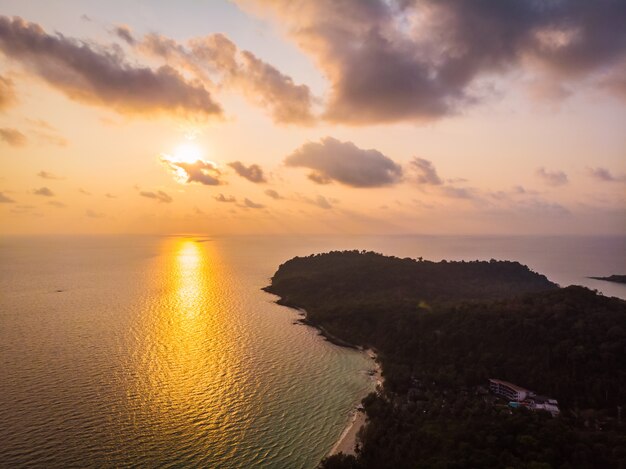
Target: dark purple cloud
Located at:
point(215, 57)
point(89, 74)
point(344, 162)
point(253, 173)
point(392, 60)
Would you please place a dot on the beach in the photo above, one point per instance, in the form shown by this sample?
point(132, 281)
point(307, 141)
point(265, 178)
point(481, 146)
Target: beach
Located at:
point(348, 440)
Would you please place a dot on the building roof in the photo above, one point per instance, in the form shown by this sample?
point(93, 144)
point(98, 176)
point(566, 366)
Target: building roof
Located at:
point(510, 385)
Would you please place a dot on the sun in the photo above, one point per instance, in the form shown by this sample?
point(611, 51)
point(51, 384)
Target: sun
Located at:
point(188, 152)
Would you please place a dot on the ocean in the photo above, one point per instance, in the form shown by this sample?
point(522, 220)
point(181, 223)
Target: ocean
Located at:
point(163, 351)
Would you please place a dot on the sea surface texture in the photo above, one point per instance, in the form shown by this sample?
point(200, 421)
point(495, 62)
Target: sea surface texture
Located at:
point(164, 352)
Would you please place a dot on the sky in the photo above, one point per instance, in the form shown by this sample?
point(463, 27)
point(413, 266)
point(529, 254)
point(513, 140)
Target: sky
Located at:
point(473, 117)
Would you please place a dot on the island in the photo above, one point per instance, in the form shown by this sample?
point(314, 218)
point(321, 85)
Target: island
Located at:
point(612, 278)
point(445, 333)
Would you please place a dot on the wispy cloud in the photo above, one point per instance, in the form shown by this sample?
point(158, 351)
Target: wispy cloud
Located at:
point(319, 201)
point(273, 194)
point(604, 175)
point(4, 199)
point(13, 137)
point(553, 178)
point(89, 213)
point(425, 172)
point(247, 203)
point(223, 198)
point(7, 93)
point(43, 191)
point(48, 175)
point(218, 57)
point(159, 196)
point(125, 34)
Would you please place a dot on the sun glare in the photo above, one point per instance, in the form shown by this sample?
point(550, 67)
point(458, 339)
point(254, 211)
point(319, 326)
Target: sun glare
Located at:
point(187, 152)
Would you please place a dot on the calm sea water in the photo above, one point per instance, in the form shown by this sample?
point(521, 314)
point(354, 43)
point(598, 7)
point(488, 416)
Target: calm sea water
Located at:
point(164, 352)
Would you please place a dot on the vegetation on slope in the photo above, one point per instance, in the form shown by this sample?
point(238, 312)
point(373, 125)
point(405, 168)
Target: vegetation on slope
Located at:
point(441, 330)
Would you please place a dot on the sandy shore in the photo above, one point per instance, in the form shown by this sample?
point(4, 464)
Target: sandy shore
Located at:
point(348, 439)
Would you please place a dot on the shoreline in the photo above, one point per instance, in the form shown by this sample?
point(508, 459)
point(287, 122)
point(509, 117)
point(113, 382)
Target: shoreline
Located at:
point(347, 441)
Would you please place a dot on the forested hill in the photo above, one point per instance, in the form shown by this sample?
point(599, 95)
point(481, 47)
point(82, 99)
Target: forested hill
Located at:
point(371, 275)
point(442, 329)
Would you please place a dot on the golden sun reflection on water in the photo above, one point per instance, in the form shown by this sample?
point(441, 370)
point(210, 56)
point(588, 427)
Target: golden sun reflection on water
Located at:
point(189, 367)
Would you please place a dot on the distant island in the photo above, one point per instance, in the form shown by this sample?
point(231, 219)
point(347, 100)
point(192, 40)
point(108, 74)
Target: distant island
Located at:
point(442, 331)
point(612, 278)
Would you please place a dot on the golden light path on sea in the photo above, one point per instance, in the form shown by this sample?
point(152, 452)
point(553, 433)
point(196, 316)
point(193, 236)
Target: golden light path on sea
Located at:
point(189, 369)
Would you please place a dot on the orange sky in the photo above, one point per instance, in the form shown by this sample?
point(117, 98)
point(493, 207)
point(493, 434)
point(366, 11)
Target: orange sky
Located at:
point(309, 117)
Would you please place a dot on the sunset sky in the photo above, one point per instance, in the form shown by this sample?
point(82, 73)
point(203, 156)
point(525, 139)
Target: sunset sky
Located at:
point(355, 116)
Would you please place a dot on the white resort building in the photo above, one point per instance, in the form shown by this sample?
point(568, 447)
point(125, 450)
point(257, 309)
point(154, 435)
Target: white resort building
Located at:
point(508, 390)
point(521, 397)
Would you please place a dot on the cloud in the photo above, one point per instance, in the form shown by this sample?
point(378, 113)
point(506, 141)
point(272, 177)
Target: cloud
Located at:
point(4, 199)
point(7, 93)
point(319, 201)
point(459, 192)
point(393, 60)
point(46, 133)
point(13, 137)
point(253, 173)
point(124, 33)
point(108, 195)
point(273, 194)
point(57, 204)
point(543, 207)
point(249, 204)
point(222, 198)
point(83, 191)
point(204, 172)
point(603, 174)
point(426, 172)
point(553, 178)
point(215, 56)
point(322, 202)
point(159, 196)
point(93, 214)
point(47, 175)
point(346, 163)
point(43, 191)
point(91, 74)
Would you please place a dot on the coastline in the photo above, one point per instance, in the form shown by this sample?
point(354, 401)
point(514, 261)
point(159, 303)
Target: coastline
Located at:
point(347, 441)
